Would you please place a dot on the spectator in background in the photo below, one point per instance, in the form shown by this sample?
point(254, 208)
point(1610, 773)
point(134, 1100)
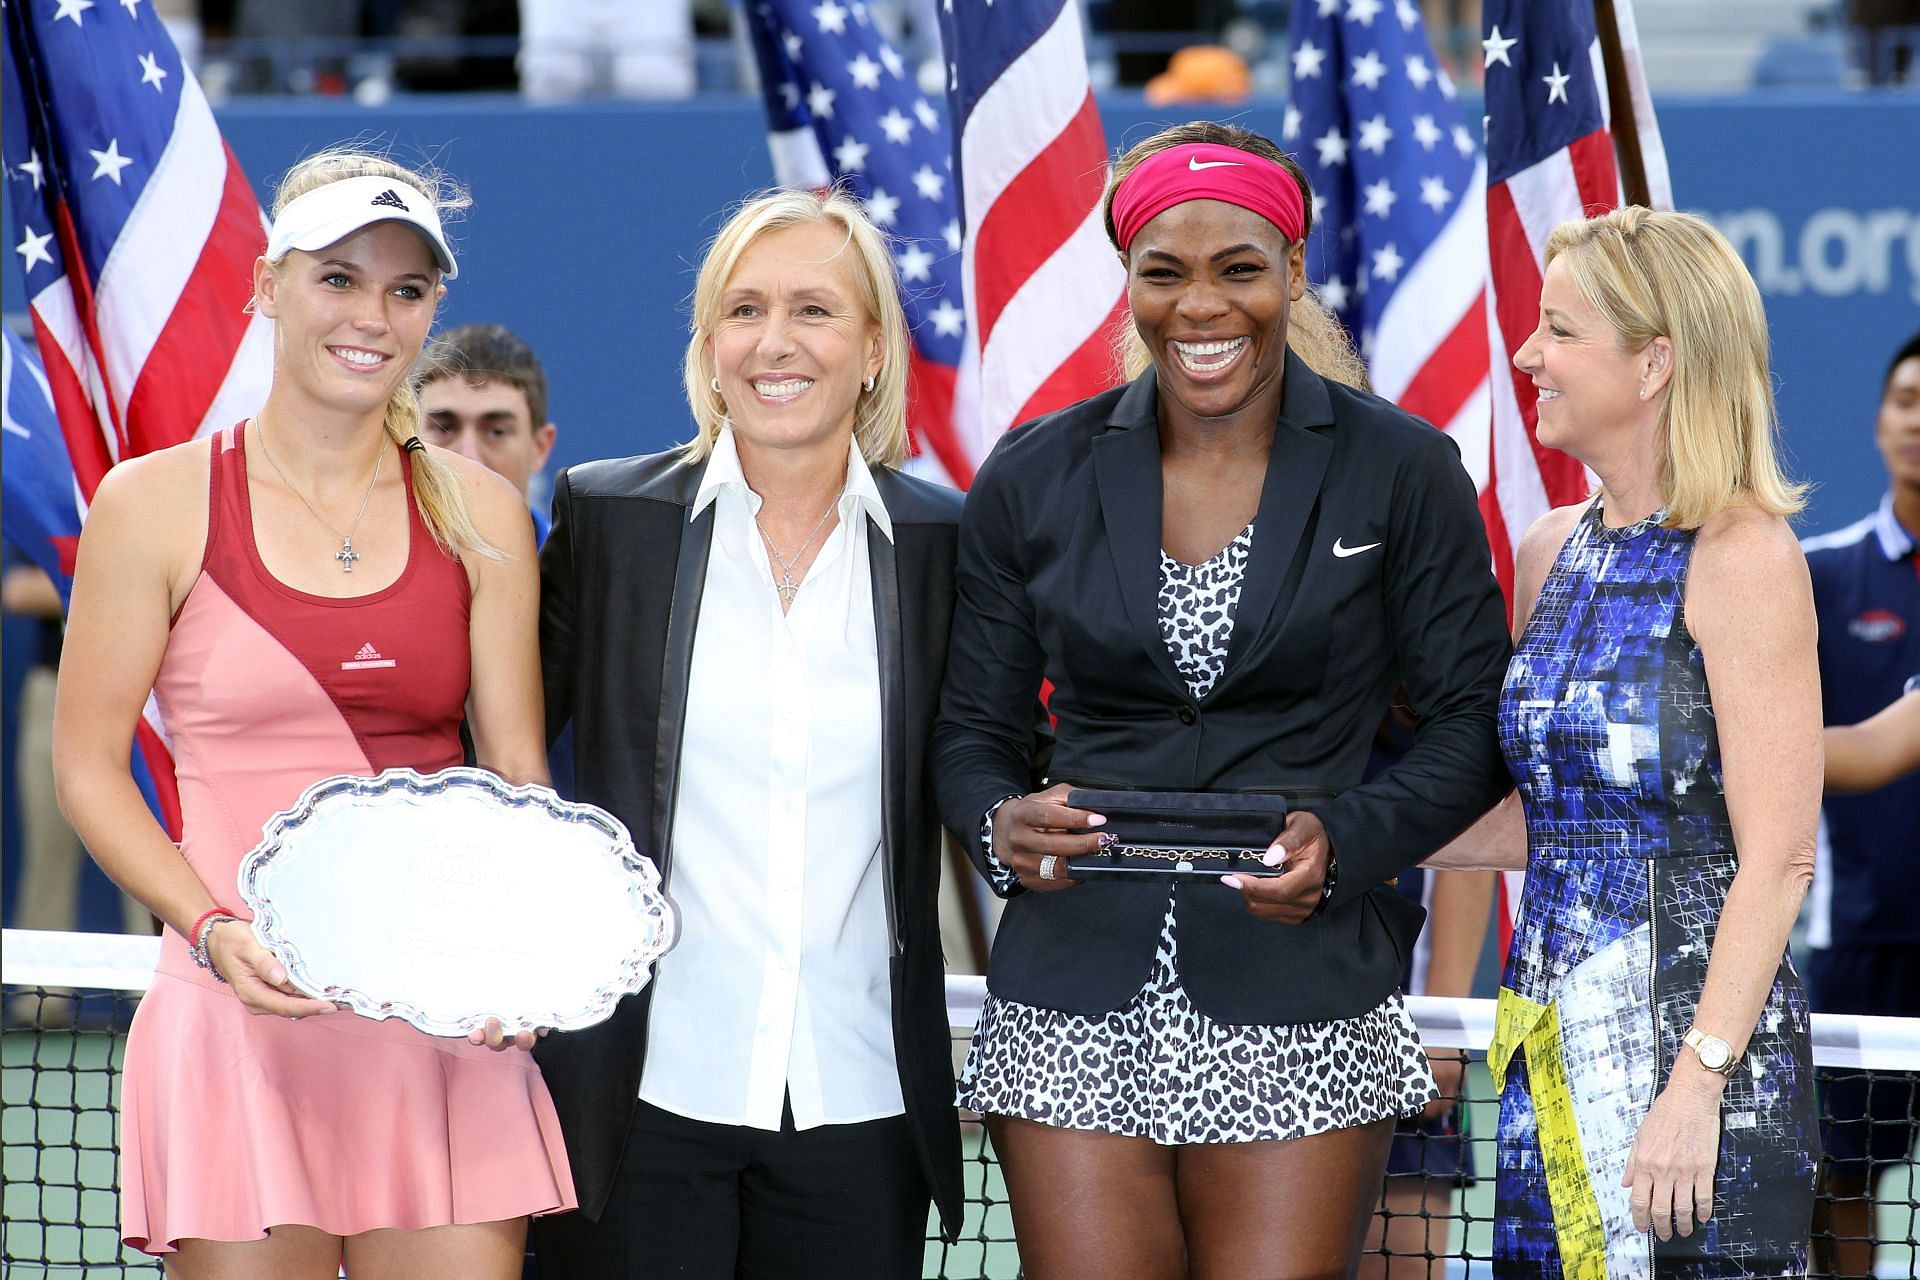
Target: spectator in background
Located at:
point(483, 395)
point(1864, 931)
point(576, 48)
point(1889, 30)
point(1871, 754)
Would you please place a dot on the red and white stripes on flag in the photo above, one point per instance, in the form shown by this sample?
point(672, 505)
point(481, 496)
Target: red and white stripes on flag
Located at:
point(1044, 291)
point(140, 237)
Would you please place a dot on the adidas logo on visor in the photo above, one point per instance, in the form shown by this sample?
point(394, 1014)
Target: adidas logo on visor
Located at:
point(391, 200)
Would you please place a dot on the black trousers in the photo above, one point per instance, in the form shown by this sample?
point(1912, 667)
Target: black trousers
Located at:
point(699, 1201)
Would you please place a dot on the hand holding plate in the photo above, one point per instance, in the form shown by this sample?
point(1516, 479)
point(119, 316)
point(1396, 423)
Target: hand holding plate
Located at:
point(258, 979)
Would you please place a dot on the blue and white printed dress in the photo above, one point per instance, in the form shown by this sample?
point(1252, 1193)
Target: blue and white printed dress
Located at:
point(1608, 728)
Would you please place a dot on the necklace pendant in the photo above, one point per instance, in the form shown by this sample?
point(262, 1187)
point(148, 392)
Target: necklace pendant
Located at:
point(346, 555)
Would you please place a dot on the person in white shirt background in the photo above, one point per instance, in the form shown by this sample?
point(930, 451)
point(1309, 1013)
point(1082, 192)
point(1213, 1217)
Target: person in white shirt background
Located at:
point(747, 635)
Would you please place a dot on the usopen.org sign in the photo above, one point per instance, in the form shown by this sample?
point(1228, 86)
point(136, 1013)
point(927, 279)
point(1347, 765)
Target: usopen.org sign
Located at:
point(1832, 252)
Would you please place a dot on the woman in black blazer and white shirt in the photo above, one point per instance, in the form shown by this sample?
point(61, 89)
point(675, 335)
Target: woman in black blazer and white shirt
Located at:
point(747, 635)
point(1224, 568)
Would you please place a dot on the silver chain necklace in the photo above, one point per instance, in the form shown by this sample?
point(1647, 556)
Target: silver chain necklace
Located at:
point(346, 555)
point(787, 587)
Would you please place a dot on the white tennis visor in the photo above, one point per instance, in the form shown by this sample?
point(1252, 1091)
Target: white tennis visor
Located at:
point(327, 215)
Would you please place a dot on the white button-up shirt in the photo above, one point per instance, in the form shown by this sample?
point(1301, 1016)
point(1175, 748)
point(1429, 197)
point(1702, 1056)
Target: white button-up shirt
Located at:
point(779, 986)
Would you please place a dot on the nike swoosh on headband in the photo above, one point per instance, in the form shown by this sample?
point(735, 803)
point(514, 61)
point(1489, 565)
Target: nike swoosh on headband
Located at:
point(1196, 164)
point(1343, 552)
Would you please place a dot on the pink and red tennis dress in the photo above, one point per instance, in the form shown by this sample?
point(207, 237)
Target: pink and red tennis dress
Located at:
point(232, 1123)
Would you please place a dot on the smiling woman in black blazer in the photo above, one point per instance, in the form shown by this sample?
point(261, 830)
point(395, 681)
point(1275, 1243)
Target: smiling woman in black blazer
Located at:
point(747, 635)
point(1224, 568)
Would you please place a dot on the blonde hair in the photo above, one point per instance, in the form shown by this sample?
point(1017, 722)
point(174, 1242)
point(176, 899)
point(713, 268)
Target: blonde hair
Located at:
point(1660, 274)
point(436, 489)
point(1313, 333)
point(880, 415)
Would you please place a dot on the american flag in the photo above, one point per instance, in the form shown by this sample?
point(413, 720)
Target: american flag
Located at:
point(1044, 291)
point(139, 233)
point(1398, 246)
point(1550, 157)
point(842, 106)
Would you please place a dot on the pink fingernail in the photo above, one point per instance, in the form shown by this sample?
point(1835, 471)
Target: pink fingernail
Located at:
point(1097, 820)
point(1232, 882)
point(1273, 857)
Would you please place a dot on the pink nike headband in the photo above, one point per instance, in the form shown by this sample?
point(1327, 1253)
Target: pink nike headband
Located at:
point(1206, 171)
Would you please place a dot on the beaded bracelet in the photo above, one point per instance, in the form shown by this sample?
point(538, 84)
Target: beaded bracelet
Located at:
point(202, 931)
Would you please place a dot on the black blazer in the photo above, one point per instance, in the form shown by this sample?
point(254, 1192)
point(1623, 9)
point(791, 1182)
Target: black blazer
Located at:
point(620, 585)
point(1369, 566)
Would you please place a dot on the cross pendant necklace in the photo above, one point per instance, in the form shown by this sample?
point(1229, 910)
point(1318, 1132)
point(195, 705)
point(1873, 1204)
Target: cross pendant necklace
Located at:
point(787, 586)
point(346, 555)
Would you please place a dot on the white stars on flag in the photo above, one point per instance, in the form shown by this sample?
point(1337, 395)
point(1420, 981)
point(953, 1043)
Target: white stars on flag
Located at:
point(1408, 15)
point(951, 234)
point(73, 9)
point(924, 112)
point(1425, 132)
point(831, 18)
point(1497, 47)
point(928, 183)
point(1368, 70)
point(883, 208)
point(34, 249)
point(109, 163)
point(916, 264)
point(865, 72)
point(1556, 85)
point(1335, 293)
point(33, 169)
point(151, 72)
point(1380, 198)
point(1332, 147)
point(1462, 140)
point(1418, 71)
point(1363, 11)
point(1374, 135)
point(851, 154)
point(1387, 263)
point(1307, 60)
point(1290, 124)
point(890, 59)
point(820, 101)
point(897, 127)
point(948, 320)
point(131, 6)
point(1434, 194)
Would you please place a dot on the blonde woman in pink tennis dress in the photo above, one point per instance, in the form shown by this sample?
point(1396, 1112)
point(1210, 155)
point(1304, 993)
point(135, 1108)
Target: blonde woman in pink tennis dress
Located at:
point(310, 592)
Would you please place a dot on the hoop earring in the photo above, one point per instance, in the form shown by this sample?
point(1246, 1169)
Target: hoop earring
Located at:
point(714, 382)
point(868, 384)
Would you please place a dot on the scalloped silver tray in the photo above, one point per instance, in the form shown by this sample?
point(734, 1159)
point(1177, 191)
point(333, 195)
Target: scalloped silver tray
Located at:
point(448, 898)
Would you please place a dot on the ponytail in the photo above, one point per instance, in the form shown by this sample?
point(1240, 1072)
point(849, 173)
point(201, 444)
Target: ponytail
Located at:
point(436, 490)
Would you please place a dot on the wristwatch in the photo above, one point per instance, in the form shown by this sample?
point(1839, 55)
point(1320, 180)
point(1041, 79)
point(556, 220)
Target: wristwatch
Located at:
point(1714, 1053)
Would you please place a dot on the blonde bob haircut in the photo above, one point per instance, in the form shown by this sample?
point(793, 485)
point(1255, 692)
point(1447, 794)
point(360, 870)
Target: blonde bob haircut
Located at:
point(880, 415)
point(1655, 274)
point(1313, 332)
point(436, 489)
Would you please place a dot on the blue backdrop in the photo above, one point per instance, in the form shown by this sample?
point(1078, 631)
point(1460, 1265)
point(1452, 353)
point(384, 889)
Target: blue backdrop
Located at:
point(588, 222)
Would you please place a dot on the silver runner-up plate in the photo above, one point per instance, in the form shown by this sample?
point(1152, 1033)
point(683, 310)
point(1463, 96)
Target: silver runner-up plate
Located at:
point(449, 898)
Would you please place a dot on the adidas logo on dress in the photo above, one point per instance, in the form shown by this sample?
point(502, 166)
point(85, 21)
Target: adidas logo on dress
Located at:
point(367, 657)
point(391, 199)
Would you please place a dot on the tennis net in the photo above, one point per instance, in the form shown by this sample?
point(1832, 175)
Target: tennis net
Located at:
point(69, 999)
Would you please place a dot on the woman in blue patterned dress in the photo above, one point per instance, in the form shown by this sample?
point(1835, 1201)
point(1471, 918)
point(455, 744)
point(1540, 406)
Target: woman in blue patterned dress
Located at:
point(1661, 718)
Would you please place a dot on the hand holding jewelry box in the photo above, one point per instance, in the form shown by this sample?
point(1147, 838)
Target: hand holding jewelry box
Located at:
point(450, 898)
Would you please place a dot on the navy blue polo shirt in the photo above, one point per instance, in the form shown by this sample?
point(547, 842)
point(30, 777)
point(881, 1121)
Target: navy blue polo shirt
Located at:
point(1866, 591)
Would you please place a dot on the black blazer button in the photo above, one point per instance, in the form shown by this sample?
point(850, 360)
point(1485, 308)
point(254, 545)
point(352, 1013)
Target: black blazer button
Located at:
point(1187, 714)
